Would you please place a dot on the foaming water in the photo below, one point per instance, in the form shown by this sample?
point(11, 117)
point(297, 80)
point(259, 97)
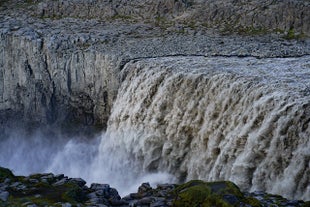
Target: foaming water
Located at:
point(25, 153)
point(41, 152)
point(180, 118)
point(245, 120)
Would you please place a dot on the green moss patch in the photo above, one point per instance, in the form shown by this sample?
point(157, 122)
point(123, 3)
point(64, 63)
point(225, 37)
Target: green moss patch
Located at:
point(252, 201)
point(306, 204)
point(199, 193)
point(292, 35)
point(46, 194)
point(221, 194)
point(5, 173)
point(73, 193)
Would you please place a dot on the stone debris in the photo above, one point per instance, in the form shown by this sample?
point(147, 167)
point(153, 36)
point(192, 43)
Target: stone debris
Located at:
point(55, 190)
point(59, 190)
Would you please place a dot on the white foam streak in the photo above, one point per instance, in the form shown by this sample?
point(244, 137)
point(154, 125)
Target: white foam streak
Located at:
point(119, 163)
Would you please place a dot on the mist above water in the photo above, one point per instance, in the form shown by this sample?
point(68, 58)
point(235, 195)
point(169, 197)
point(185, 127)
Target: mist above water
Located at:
point(78, 157)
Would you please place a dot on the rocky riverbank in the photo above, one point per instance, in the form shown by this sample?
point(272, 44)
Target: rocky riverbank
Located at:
point(59, 190)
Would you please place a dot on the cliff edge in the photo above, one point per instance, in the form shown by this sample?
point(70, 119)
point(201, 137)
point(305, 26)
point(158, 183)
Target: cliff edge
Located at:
point(60, 60)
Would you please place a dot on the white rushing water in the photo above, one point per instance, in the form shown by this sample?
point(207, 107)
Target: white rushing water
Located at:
point(75, 157)
point(245, 120)
point(181, 118)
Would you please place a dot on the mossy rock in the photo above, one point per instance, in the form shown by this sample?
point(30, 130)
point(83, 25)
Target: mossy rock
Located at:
point(5, 173)
point(203, 194)
point(43, 194)
point(200, 193)
point(191, 194)
point(73, 193)
point(47, 177)
point(306, 204)
point(225, 188)
point(252, 202)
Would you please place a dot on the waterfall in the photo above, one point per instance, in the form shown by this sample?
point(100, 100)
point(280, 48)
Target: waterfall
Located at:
point(239, 119)
point(179, 118)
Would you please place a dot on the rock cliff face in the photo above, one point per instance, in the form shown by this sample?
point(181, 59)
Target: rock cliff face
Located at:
point(63, 63)
point(57, 70)
point(43, 85)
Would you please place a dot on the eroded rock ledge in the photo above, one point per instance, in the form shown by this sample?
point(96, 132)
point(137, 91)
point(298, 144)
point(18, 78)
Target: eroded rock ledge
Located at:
point(59, 190)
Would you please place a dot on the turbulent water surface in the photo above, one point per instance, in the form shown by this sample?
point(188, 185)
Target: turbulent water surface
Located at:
point(180, 118)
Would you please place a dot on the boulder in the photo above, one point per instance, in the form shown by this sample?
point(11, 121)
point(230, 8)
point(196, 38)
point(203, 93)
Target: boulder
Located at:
point(79, 181)
point(4, 195)
point(5, 174)
point(220, 194)
point(61, 182)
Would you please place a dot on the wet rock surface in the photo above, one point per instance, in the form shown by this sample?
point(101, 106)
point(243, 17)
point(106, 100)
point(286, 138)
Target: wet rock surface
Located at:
point(59, 190)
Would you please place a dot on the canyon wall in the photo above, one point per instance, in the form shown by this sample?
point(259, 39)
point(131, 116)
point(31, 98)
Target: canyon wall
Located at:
point(66, 71)
point(41, 85)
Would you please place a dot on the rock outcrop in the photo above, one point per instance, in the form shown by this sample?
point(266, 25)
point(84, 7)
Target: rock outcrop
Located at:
point(59, 190)
point(42, 84)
